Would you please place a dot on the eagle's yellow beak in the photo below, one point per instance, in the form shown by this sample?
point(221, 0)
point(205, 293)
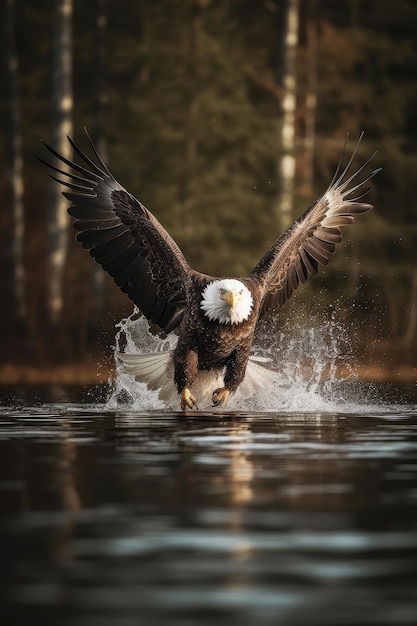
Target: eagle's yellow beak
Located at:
point(231, 297)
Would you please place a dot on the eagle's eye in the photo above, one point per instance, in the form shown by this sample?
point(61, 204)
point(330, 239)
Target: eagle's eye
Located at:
point(222, 292)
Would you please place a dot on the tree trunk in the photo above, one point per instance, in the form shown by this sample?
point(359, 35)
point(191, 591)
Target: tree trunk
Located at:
point(311, 107)
point(286, 166)
point(62, 126)
point(410, 333)
point(100, 105)
point(14, 164)
point(99, 133)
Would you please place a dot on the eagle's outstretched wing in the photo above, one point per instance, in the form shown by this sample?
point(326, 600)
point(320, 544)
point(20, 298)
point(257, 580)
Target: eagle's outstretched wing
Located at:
point(312, 238)
point(125, 239)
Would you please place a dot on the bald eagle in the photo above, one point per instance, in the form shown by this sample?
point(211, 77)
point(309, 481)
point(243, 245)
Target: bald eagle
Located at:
point(214, 318)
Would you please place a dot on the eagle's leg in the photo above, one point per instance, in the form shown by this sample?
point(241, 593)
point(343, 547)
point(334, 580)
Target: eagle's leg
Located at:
point(185, 371)
point(187, 400)
point(220, 396)
point(233, 376)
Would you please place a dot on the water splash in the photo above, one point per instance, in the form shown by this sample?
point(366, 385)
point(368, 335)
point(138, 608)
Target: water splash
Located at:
point(133, 335)
point(295, 369)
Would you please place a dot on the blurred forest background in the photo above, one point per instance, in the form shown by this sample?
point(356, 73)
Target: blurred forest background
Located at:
point(227, 119)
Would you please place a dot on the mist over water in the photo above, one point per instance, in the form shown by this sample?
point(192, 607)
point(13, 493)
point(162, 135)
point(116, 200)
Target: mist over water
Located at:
point(294, 368)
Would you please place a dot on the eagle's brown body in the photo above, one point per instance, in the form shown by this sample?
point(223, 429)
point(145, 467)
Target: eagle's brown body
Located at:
point(130, 244)
point(208, 345)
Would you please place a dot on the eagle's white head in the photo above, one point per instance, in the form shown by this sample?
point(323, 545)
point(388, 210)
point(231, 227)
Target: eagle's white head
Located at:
point(227, 301)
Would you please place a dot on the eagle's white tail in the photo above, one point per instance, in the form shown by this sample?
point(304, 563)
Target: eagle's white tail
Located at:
point(153, 369)
point(156, 370)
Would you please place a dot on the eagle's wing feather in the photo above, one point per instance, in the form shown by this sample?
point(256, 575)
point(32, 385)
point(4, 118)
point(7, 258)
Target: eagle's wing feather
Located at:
point(125, 239)
point(311, 240)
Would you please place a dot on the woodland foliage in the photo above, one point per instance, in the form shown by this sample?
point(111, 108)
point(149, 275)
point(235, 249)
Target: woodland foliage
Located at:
point(192, 118)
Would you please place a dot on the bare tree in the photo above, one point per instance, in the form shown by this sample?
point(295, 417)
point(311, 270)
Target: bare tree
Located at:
point(14, 161)
point(411, 324)
point(286, 164)
point(100, 109)
point(100, 74)
point(62, 126)
point(310, 105)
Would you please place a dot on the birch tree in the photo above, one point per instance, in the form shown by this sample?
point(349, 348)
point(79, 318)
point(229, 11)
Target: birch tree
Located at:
point(62, 104)
point(100, 108)
point(286, 165)
point(310, 105)
point(14, 161)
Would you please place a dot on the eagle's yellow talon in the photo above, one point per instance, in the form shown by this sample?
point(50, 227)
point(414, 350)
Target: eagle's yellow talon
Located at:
point(220, 396)
point(187, 400)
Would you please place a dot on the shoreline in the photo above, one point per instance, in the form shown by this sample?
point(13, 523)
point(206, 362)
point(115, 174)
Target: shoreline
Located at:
point(73, 374)
point(92, 373)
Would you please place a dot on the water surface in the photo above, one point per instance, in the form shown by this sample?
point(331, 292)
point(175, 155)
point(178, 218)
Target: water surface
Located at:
point(126, 517)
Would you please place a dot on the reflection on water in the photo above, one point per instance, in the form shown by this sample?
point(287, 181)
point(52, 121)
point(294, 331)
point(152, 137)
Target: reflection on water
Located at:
point(125, 518)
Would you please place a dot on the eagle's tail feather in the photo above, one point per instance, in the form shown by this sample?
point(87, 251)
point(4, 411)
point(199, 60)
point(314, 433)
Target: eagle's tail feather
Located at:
point(153, 369)
point(156, 371)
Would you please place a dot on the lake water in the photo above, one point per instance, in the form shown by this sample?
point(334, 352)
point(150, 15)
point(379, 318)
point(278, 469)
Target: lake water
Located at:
point(122, 517)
